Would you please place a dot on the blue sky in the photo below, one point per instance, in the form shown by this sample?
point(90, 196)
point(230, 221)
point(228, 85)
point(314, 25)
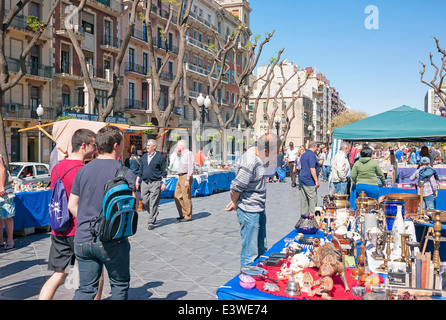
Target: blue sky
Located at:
point(374, 70)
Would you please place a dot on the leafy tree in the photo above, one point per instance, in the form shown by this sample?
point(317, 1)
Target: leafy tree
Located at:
point(346, 117)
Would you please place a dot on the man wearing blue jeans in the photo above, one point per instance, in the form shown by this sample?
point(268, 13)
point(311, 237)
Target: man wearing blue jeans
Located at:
point(85, 204)
point(340, 168)
point(248, 197)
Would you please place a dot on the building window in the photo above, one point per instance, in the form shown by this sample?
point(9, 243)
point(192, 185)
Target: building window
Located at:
point(101, 96)
point(34, 58)
point(88, 22)
point(108, 33)
point(131, 58)
point(80, 96)
point(145, 63)
point(65, 59)
point(34, 10)
point(66, 96)
point(34, 101)
point(131, 93)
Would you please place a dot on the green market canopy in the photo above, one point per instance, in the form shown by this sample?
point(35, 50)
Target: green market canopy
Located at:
point(403, 124)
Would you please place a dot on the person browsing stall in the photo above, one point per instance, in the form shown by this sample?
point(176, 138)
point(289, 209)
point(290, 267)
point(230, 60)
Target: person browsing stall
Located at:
point(248, 198)
point(61, 255)
point(85, 204)
point(183, 189)
point(425, 173)
point(365, 174)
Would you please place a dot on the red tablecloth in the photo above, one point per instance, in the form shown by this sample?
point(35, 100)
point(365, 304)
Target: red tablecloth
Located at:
point(338, 292)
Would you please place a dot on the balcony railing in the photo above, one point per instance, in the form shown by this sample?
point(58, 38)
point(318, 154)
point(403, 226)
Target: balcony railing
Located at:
point(135, 104)
point(111, 41)
point(38, 70)
point(167, 76)
point(64, 67)
point(19, 22)
point(198, 44)
point(18, 110)
point(112, 4)
point(200, 70)
point(163, 12)
point(159, 43)
point(141, 35)
point(202, 21)
point(133, 67)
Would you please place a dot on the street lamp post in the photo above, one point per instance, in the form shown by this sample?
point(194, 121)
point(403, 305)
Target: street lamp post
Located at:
point(40, 112)
point(310, 129)
point(204, 104)
point(277, 120)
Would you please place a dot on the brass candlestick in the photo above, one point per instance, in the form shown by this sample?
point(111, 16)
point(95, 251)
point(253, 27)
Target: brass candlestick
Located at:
point(404, 248)
point(437, 233)
point(383, 268)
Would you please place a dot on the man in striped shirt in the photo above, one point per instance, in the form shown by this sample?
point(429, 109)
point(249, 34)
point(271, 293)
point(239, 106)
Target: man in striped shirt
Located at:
point(248, 196)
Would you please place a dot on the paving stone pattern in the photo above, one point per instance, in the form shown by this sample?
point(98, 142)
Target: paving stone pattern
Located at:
point(174, 261)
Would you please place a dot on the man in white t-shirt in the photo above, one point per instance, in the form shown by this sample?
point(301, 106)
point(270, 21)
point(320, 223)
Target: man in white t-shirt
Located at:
point(291, 155)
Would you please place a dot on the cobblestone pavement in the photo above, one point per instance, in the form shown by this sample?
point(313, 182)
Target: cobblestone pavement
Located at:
point(174, 261)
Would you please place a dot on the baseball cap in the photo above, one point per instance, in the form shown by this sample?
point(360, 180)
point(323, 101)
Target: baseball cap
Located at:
point(425, 160)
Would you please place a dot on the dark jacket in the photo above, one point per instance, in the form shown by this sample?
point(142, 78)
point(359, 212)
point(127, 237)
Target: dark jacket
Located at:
point(156, 171)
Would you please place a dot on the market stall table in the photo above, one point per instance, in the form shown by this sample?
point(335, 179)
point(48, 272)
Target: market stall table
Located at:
point(420, 228)
point(404, 174)
point(233, 291)
point(203, 184)
point(440, 200)
point(31, 209)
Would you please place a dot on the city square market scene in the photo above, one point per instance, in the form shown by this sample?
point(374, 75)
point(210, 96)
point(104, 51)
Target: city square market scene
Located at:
point(180, 150)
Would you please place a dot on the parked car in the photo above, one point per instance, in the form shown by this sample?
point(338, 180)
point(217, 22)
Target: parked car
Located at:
point(26, 172)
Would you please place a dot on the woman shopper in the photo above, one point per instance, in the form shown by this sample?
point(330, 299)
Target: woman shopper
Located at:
point(429, 176)
point(365, 172)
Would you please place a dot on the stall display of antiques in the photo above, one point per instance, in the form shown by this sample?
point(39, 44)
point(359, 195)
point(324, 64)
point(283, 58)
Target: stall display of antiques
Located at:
point(368, 253)
point(29, 187)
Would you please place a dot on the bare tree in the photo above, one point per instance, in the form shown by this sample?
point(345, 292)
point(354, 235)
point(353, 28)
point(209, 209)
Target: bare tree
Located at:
point(5, 82)
point(440, 73)
point(289, 108)
point(103, 111)
point(220, 67)
point(179, 18)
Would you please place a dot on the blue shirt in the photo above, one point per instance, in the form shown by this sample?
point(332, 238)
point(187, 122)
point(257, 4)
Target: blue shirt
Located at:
point(399, 154)
point(307, 160)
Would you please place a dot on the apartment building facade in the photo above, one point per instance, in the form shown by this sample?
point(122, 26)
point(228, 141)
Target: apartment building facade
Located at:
point(55, 78)
point(313, 111)
point(137, 98)
point(433, 104)
point(20, 103)
point(96, 28)
point(209, 20)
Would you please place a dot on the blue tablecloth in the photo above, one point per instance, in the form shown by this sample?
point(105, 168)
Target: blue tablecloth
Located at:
point(203, 185)
point(31, 209)
point(405, 173)
point(440, 201)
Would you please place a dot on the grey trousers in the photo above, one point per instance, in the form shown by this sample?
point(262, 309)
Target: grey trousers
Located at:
point(308, 199)
point(150, 197)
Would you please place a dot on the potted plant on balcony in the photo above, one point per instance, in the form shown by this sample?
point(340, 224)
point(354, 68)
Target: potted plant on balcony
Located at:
point(148, 131)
